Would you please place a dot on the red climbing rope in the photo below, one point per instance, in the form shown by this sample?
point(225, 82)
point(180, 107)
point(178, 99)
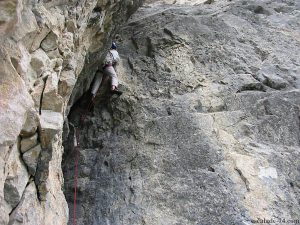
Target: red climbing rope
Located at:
point(76, 146)
point(76, 151)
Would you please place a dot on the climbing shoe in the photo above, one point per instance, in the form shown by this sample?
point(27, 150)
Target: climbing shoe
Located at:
point(116, 91)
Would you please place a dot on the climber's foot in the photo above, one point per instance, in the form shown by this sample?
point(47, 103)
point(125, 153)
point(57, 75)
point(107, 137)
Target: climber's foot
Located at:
point(116, 91)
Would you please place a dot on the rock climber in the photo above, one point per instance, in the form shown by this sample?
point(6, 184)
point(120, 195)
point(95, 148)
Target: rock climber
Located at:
point(111, 61)
point(109, 69)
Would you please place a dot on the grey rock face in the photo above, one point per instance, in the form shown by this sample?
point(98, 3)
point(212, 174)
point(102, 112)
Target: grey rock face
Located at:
point(16, 180)
point(28, 143)
point(29, 210)
point(207, 131)
point(50, 42)
point(30, 126)
point(44, 47)
point(39, 61)
point(31, 158)
point(51, 124)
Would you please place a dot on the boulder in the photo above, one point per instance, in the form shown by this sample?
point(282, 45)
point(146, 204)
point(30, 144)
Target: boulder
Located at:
point(7, 13)
point(67, 82)
point(50, 42)
point(29, 211)
point(26, 28)
point(28, 143)
point(31, 77)
point(30, 126)
point(4, 212)
point(31, 158)
point(54, 54)
point(275, 82)
point(58, 14)
point(4, 207)
point(13, 104)
point(70, 61)
point(16, 179)
point(71, 25)
point(21, 62)
point(37, 92)
point(66, 43)
point(39, 37)
point(51, 100)
point(246, 82)
point(40, 61)
point(51, 124)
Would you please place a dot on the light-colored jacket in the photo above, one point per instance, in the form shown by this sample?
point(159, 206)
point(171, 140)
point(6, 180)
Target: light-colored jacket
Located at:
point(112, 57)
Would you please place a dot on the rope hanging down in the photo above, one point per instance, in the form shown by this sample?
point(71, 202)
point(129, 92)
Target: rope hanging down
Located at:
point(76, 152)
point(76, 149)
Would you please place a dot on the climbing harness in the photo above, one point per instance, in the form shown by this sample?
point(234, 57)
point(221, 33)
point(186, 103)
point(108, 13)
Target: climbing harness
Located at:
point(107, 65)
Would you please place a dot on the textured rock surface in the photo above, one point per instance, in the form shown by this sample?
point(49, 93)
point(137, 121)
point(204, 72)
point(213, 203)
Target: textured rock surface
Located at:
point(13, 104)
point(207, 131)
point(31, 158)
point(29, 210)
point(16, 179)
point(28, 143)
point(44, 47)
point(31, 123)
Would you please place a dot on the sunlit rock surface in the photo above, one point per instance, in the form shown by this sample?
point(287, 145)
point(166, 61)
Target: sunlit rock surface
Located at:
point(45, 46)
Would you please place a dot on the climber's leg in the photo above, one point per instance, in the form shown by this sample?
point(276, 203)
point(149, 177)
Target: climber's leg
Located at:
point(110, 71)
point(96, 83)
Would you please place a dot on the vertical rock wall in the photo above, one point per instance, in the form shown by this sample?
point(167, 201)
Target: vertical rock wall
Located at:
point(207, 130)
point(46, 47)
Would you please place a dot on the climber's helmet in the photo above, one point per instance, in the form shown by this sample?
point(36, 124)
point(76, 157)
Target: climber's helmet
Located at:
point(114, 46)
